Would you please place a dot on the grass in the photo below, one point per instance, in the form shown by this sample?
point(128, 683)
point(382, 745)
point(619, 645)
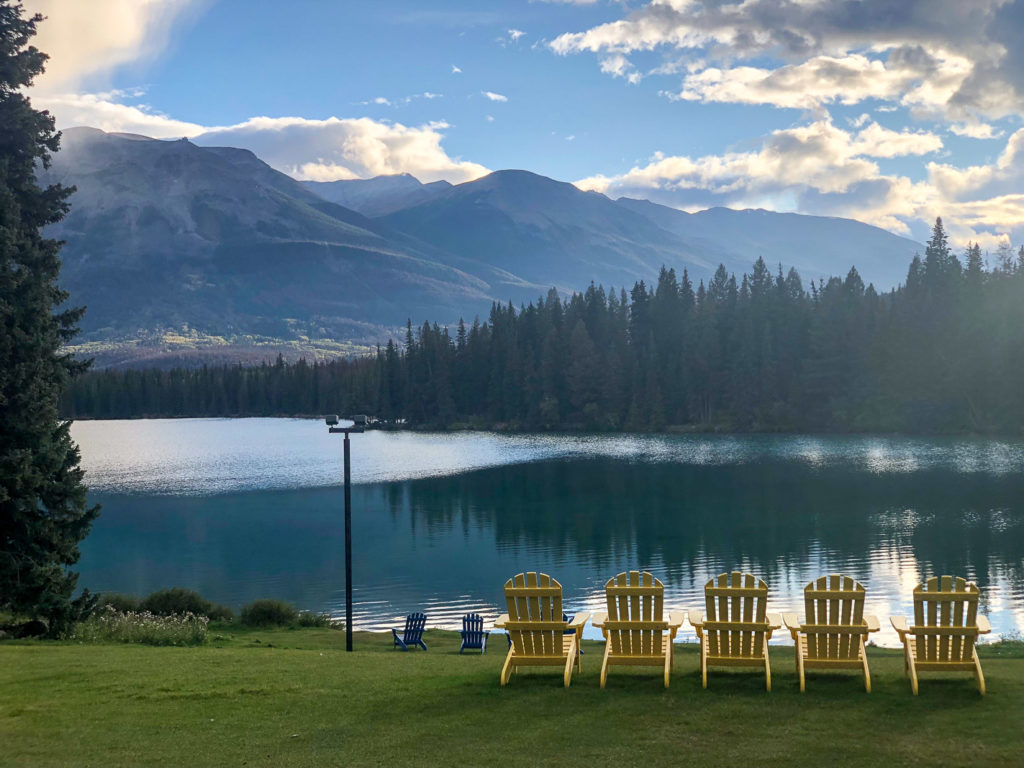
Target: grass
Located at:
point(280, 697)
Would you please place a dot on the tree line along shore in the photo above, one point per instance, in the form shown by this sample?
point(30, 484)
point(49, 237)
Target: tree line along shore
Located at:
point(942, 353)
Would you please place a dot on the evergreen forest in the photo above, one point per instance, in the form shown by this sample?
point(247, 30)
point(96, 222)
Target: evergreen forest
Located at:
point(942, 353)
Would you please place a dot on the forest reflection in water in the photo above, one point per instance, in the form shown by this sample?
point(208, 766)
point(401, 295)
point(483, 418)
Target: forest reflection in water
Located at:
point(446, 544)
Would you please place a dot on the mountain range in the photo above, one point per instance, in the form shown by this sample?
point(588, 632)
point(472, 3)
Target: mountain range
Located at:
point(185, 251)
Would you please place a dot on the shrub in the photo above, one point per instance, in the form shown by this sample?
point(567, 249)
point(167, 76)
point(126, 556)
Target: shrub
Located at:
point(119, 602)
point(220, 612)
point(168, 602)
point(112, 626)
point(269, 613)
point(310, 619)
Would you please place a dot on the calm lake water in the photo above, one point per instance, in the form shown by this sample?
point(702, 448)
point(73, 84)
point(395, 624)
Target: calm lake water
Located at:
point(241, 509)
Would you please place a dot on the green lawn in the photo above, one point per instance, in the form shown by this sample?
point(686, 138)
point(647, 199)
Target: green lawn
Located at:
point(295, 698)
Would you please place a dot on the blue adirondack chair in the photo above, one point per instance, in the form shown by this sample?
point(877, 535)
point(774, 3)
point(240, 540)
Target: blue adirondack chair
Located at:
point(473, 635)
point(566, 617)
point(415, 623)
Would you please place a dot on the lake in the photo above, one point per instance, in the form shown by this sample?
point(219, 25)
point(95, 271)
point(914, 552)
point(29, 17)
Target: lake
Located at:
point(241, 509)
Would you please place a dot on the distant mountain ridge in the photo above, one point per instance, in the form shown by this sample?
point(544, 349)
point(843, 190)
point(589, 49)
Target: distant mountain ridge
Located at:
point(817, 246)
point(548, 232)
point(167, 235)
point(380, 195)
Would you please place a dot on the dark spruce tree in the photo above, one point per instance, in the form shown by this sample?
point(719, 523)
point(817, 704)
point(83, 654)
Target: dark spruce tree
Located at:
point(43, 509)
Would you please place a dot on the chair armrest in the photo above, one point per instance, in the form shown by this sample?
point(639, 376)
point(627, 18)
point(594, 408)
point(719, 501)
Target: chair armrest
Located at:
point(899, 623)
point(579, 620)
point(501, 621)
point(676, 619)
point(983, 625)
point(696, 619)
point(774, 620)
point(872, 622)
point(792, 622)
point(599, 619)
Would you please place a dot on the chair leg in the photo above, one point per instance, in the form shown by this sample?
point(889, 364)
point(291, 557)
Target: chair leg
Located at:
point(767, 668)
point(506, 669)
point(569, 661)
point(864, 661)
point(978, 674)
point(703, 664)
point(800, 664)
point(668, 664)
point(912, 671)
point(604, 663)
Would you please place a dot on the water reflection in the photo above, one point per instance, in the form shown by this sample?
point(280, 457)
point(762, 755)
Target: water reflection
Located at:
point(446, 544)
point(204, 456)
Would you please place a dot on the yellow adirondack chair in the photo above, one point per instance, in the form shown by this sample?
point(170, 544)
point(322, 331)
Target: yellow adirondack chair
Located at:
point(534, 624)
point(737, 628)
point(836, 631)
point(946, 626)
point(635, 629)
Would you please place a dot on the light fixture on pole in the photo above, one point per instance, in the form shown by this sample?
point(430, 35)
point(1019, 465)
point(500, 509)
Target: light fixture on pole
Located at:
point(358, 426)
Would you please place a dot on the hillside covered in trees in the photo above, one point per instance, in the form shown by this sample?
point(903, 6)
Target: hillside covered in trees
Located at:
point(942, 353)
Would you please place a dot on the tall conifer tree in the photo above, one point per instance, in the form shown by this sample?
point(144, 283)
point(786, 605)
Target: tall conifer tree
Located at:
point(43, 509)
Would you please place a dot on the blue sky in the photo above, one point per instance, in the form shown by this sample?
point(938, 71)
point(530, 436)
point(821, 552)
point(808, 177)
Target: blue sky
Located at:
point(892, 113)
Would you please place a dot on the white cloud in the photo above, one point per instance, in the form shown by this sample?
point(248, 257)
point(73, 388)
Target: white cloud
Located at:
point(386, 102)
point(954, 60)
point(825, 170)
point(618, 65)
point(489, 118)
point(346, 148)
point(876, 141)
point(821, 80)
point(103, 111)
point(323, 150)
point(456, 70)
point(87, 39)
point(491, 95)
point(977, 130)
point(515, 34)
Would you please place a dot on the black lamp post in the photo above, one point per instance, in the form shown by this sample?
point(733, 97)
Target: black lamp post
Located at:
point(358, 426)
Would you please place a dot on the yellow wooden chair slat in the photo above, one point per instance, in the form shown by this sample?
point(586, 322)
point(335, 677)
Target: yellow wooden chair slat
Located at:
point(835, 631)
point(535, 627)
point(635, 629)
point(736, 628)
point(945, 631)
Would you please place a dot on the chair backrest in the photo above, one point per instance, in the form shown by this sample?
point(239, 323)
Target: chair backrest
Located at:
point(636, 621)
point(472, 629)
point(946, 619)
point(834, 622)
point(535, 626)
point(736, 605)
point(415, 623)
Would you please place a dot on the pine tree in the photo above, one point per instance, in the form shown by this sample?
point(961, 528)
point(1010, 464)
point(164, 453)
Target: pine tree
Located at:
point(43, 509)
point(583, 372)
